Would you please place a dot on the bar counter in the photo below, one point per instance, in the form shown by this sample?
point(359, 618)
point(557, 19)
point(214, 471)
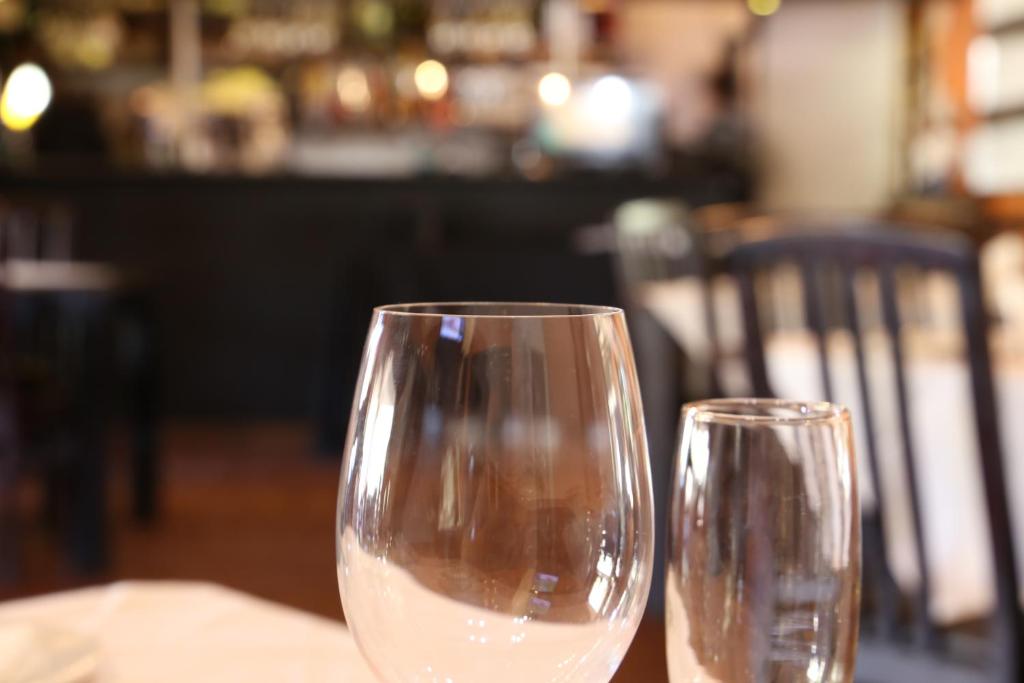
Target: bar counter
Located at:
point(262, 286)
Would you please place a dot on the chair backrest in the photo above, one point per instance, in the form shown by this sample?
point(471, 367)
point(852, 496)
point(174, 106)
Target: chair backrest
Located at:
point(825, 256)
point(654, 239)
point(36, 231)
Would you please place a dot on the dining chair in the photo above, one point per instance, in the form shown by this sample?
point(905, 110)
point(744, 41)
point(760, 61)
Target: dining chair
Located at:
point(901, 641)
point(77, 331)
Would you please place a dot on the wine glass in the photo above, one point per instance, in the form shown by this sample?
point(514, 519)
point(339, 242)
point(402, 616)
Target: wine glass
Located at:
point(763, 580)
point(495, 512)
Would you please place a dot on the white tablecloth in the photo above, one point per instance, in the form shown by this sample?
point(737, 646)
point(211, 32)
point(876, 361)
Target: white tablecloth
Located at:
point(179, 631)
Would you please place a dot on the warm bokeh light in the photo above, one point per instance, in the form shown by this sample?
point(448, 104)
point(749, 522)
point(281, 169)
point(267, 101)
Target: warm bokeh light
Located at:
point(241, 91)
point(354, 89)
point(764, 8)
point(26, 95)
point(431, 79)
point(554, 89)
point(375, 18)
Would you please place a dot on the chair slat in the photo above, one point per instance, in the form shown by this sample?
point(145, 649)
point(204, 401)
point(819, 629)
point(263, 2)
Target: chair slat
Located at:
point(923, 628)
point(885, 591)
point(711, 323)
point(1007, 612)
point(816, 320)
point(752, 333)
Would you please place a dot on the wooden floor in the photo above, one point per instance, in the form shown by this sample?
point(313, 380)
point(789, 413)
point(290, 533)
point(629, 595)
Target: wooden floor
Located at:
point(251, 507)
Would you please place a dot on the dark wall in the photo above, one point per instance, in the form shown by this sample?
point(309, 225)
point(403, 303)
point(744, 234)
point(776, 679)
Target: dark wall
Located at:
point(262, 287)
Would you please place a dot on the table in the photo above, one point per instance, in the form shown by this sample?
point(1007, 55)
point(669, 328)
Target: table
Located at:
point(172, 631)
point(74, 327)
point(183, 631)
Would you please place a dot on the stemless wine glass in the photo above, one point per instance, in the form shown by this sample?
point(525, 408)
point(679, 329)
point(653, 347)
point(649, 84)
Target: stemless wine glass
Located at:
point(495, 512)
point(763, 580)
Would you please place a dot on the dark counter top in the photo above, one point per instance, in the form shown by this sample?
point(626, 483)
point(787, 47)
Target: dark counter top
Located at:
point(78, 177)
point(255, 279)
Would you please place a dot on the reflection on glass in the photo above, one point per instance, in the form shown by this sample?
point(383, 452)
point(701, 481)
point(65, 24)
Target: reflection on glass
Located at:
point(763, 579)
point(495, 513)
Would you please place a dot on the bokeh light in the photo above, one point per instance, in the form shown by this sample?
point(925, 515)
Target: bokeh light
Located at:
point(764, 8)
point(431, 79)
point(610, 97)
point(354, 89)
point(26, 95)
point(375, 18)
point(554, 89)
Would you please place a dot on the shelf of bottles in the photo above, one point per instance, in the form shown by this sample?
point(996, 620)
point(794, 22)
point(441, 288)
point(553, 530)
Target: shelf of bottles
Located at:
point(995, 80)
point(284, 76)
point(969, 90)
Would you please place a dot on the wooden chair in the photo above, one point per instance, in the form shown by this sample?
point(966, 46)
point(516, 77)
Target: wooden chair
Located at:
point(900, 640)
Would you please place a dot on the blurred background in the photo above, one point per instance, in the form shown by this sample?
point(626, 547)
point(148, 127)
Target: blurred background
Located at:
point(202, 200)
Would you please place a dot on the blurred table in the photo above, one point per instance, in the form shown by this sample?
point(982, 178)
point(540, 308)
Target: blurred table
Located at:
point(171, 631)
point(942, 421)
point(182, 631)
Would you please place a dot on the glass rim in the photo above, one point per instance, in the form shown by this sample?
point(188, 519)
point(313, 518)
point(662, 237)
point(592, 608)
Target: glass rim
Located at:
point(764, 411)
point(530, 310)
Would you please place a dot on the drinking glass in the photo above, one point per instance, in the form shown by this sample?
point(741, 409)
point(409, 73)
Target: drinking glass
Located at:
point(763, 580)
point(495, 513)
